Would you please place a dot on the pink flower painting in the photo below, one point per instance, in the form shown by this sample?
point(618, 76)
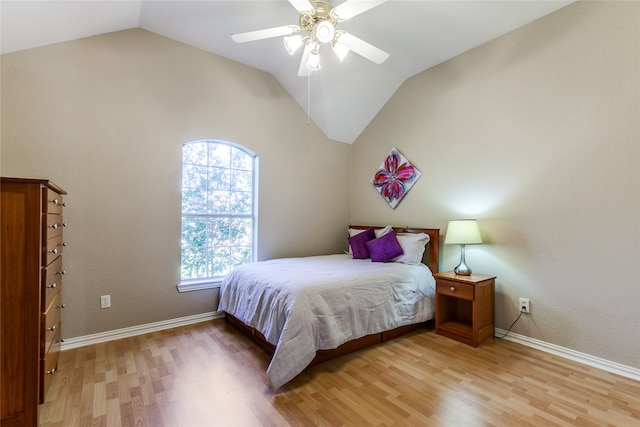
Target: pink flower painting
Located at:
point(395, 177)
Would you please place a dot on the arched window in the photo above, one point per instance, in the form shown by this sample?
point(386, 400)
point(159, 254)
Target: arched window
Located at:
point(219, 211)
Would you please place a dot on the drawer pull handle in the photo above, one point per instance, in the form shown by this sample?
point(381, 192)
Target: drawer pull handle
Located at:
point(52, 329)
point(51, 371)
point(54, 201)
point(64, 224)
point(54, 226)
point(53, 251)
point(452, 289)
point(64, 244)
point(62, 306)
point(62, 272)
point(64, 204)
point(52, 286)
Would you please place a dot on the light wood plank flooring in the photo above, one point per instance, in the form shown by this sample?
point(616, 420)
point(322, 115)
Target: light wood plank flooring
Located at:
point(208, 374)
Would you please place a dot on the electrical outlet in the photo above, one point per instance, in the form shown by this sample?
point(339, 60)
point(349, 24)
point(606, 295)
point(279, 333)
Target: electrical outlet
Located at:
point(524, 305)
point(105, 301)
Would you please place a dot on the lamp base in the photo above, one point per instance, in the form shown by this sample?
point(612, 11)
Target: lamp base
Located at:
point(462, 269)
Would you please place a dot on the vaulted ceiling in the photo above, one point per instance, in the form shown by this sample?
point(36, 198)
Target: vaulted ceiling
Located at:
point(344, 97)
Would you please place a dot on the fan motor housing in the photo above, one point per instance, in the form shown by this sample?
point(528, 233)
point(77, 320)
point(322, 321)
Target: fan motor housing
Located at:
point(322, 12)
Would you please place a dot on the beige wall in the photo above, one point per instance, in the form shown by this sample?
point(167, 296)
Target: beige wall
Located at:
point(537, 135)
point(105, 117)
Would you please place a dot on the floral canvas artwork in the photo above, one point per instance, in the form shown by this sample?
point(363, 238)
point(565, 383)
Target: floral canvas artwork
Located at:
point(395, 177)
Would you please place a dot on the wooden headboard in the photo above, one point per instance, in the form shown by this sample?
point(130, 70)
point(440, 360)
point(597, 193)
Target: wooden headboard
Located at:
point(431, 257)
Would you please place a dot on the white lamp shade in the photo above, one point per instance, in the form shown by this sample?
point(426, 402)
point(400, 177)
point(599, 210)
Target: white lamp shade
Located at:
point(313, 63)
point(341, 50)
point(292, 43)
point(463, 232)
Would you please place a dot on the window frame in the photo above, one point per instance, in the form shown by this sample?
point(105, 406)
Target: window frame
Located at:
point(188, 285)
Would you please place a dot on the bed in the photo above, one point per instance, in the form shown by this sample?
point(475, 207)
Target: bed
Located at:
point(310, 309)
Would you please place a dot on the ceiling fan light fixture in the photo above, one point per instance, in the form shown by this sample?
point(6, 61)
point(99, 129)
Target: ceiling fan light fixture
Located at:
point(340, 48)
point(324, 31)
point(317, 24)
point(313, 63)
point(292, 43)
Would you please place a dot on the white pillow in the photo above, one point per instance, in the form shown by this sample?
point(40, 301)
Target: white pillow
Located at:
point(354, 231)
point(413, 245)
point(382, 231)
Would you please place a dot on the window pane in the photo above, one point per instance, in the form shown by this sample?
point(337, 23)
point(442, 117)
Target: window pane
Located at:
point(240, 255)
point(193, 232)
point(219, 178)
point(219, 202)
point(220, 261)
point(241, 203)
point(241, 180)
point(241, 160)
point(194, 263)
point(218, 232)
point(194, 176)
point(195, 153)
point(219, 155)
point(194, 201)
point(241, 231)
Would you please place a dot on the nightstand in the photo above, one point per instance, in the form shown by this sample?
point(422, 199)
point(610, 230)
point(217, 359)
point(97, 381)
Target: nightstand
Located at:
point(465, 307)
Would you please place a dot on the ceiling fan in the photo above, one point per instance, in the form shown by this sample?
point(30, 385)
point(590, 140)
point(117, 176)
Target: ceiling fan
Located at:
point(317, 25)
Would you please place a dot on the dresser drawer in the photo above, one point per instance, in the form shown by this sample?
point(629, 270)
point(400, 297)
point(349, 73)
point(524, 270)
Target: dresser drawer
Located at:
point(53, 248)
point(48, 368)
point(455, 289)
point(54, 226)
point(53, 202)
point(51, 281)
point(51, 325)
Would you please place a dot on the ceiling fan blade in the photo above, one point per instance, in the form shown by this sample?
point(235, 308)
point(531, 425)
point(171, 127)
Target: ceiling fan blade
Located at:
point(351, 8)
point(302, 6)
point(303, 70)
point(265, 34)
point(364, 49)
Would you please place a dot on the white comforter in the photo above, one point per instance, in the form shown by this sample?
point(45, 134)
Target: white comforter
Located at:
point(302, 305)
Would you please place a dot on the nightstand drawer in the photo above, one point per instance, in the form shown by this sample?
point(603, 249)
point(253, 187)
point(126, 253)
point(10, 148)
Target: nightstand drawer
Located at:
point(455, 289)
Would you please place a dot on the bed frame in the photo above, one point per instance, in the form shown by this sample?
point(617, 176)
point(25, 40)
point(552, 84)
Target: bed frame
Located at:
point(430, 258)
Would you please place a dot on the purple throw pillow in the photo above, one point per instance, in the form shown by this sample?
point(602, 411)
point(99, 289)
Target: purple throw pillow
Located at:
point(359, 243)
point(385, 248)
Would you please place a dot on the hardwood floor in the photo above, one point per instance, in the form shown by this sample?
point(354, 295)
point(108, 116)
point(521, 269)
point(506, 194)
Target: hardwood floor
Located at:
point(208, 374)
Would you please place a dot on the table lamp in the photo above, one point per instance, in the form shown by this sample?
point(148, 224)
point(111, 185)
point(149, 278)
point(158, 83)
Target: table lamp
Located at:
point(463, 232)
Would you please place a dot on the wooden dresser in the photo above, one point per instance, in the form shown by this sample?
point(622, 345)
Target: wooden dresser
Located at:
point(31, 238)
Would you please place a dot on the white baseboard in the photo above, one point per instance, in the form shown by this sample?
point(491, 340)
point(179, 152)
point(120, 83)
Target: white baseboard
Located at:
point(117, 334)
point(596, 362)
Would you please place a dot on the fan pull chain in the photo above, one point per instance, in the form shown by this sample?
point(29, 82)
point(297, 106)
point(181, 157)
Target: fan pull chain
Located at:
point(308, 98)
